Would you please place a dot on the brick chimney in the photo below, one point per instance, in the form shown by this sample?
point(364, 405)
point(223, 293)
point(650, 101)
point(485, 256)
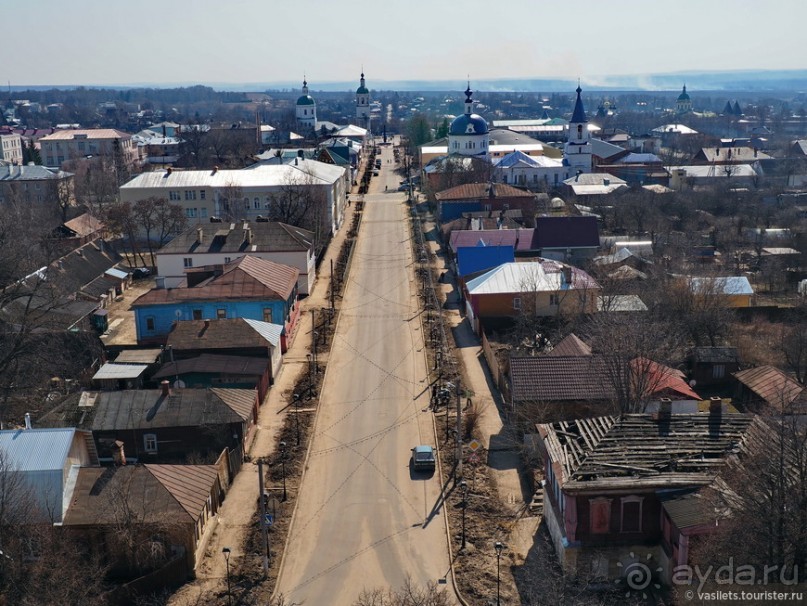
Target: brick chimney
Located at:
point(118, 456)
point(200, 235)
point(715, 416)
point(567, 275)
point(665, 409)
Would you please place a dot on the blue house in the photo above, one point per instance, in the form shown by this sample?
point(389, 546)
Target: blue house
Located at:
point(249, 288)
point(473, 259)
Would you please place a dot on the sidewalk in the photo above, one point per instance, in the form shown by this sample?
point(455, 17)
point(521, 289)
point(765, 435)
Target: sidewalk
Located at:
point(504, 452)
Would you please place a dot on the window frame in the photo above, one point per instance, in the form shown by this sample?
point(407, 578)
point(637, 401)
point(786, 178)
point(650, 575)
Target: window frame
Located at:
point(629, 501)
point(150, 443)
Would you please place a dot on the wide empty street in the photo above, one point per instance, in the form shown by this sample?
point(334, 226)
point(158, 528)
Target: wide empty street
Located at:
point(364, 519)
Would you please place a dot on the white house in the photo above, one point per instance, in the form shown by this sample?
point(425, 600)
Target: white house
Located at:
point(221, 243)
point(243, 194)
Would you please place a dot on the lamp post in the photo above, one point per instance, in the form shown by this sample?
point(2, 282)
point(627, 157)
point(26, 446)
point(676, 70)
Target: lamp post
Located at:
point(310, 373)
point(464, 486)
point(226, 552)
point(316, 338)
point(297, 415)
point(498, 546)
point(283, 467)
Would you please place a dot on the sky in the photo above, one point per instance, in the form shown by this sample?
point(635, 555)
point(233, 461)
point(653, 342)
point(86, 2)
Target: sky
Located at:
point(120, 42)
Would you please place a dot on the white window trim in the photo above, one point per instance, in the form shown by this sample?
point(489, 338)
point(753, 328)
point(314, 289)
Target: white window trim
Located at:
point(147, 439)
point(517, 303)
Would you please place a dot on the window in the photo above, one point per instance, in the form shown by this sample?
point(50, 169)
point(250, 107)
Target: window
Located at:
point(187, 262)
point(150, 442)
point(554, 300)
point(579, 131)
point(267, 314)
point(599, 515)
point(201, 194)
point(173, 195)
point(190, 194)
point(197, 314)
point(718, 371)
point(190, 213)
point(227, 260)
point(631, 518)
point(150, 323)
point(256, 204)
point(221, 314)
point(504, 178)
point(516, 302)
point(203, 212)
point(246, 203)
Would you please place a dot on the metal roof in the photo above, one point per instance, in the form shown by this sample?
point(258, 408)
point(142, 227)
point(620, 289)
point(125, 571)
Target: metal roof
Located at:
point(688, 510)
point(534, 276)
point(270, 332)
point(138, 356)
point(119, 371)
point(36, 449)
point(732, 285)
point(214, 363)
point(302, 172)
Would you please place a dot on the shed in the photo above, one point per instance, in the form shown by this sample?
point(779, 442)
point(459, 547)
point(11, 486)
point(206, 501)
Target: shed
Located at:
point(120, 376)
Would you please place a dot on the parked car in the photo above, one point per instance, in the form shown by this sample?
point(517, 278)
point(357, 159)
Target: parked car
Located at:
point(423, 458)
point(141, 272)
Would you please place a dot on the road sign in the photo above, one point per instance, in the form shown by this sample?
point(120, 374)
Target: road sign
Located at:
point(473, 459)
point(268, 519)
point(474, 445)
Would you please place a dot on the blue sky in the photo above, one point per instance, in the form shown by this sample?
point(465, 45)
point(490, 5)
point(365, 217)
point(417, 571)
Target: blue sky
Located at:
point(248, 41)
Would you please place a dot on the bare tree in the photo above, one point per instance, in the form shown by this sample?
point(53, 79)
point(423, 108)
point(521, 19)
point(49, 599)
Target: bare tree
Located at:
point(409, 594)
point(160, 220)
point(637, 351)
point(794, 347)
point(762, 500)
point(120, 219)
point(231, 201)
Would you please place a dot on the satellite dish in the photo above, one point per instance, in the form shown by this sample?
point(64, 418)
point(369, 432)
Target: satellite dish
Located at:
point(178, 313)
point(179, 384)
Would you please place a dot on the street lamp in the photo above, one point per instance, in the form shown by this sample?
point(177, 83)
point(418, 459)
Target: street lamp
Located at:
point(297, 415)
point(226, 552)
point(464, 486)
point(310, 372)
point(498, 546)
point(316, 338)
point(283, 467)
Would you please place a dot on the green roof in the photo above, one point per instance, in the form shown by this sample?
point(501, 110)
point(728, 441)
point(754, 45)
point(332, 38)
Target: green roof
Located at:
point(305, 100)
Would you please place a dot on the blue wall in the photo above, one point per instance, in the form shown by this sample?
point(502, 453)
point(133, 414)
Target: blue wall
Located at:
point(453, 210)
point(165, 314)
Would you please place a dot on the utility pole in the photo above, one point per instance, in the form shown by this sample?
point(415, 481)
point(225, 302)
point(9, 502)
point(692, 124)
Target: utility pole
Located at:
point(459, 430)
point(264, 529)
point(332, 305)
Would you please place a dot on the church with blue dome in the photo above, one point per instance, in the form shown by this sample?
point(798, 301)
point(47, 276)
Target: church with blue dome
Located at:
point(468, 134)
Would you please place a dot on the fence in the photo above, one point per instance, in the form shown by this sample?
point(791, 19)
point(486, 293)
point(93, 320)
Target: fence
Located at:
point(497, 373)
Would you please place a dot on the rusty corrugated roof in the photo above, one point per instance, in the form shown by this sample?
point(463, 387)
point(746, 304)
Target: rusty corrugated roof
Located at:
point(190, 485)
point(770, 384)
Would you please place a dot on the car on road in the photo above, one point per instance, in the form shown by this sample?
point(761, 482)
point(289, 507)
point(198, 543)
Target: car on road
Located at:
point(423, 458)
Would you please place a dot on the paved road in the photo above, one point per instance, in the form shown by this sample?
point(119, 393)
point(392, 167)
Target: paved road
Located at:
point(364, 520)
